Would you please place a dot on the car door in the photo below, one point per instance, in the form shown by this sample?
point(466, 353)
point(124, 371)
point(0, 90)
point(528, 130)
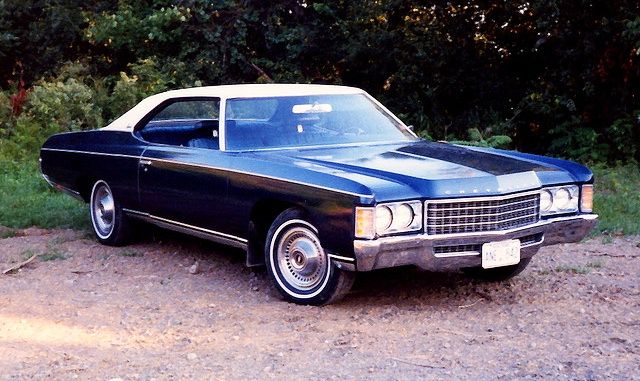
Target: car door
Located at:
point(181, 179)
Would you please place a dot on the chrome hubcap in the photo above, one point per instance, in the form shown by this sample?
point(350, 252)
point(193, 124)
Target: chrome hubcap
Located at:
point(103, 210)
point(301, 259)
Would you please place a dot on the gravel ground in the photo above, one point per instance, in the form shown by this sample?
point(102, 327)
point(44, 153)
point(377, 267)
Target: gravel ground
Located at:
point(86, 311)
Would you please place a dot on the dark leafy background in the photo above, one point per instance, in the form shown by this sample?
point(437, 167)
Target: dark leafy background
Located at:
point(560, 77)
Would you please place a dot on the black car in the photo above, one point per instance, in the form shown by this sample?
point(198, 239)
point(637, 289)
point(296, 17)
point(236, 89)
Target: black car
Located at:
point(317, 183)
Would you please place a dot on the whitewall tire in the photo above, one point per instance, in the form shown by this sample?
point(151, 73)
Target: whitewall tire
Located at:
point(110, 226)
point(298, 265)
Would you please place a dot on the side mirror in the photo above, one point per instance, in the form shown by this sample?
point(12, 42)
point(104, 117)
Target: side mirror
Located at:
point(411, 128)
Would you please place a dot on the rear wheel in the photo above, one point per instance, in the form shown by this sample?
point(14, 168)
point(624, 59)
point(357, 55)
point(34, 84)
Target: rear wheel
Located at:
point(499, 273)
point(110, 225)
point(298, 265)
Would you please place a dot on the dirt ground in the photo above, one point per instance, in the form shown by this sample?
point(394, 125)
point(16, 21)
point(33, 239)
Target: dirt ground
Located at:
point(84, 311)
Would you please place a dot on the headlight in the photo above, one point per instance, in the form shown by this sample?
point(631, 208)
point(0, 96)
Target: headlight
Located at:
point(546, 200)
point(559, 200)
point(384, 218)
point(403, 216)
point(388, 218)
point(562, 198)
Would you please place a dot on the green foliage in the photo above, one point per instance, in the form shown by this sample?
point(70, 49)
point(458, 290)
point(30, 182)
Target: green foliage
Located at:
point(52, 254)
point(27, 254)
point(36, 37)
point(146, 78)
point(476, 138)
point(617, 199)
point(560, 77)
point(137, 27)
point(577, 269)
point(5, 115)
point(131, 253)
point(27, 200)
point(623, 133)
point(51, 107)
point(7, 233)
point(69, 105)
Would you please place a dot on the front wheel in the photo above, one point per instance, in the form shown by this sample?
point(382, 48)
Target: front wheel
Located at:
point(298, 265)
point(110, 225)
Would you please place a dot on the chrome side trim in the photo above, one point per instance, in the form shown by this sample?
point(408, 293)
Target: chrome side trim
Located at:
point(64, 189)
point(367, 196)
point(341, 258)
point(197, 231)
point(91, 153)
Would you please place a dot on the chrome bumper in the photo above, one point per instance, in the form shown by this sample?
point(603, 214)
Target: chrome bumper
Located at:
point(450, 252)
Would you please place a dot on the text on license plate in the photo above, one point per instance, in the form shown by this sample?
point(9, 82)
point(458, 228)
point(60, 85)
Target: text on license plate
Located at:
point(501, 253)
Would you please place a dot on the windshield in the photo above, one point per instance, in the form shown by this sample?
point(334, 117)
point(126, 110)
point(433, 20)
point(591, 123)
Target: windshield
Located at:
point(281, 122)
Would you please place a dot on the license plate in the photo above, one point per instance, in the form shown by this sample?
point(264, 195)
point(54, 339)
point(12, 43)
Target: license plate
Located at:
point(501, 253)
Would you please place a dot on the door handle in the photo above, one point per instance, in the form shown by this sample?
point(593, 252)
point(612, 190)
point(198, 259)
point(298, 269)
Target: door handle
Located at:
point(145, 164)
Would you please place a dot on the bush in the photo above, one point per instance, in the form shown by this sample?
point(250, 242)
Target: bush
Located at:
point(51, 107)
point(70, 105)
point(146, 78)
point(5, 114)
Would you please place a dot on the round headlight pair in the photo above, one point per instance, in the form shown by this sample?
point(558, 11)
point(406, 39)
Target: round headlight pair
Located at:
point(556, 199)
point(400, 217)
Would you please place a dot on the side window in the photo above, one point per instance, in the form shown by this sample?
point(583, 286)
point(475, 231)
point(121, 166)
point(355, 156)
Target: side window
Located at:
point(189, 123)
point(188, 110)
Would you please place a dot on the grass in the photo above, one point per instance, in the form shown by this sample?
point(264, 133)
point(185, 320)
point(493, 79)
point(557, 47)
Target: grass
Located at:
point(9, 233)
point(52, 255)
point(27, 254)
point(574, 269)
point(130, 253)
point(617, 199)
point(27, 200)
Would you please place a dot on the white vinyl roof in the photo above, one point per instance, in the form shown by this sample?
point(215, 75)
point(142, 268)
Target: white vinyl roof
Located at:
point(131, 117)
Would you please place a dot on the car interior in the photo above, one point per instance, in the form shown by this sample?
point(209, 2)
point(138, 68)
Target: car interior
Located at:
point(182, 132)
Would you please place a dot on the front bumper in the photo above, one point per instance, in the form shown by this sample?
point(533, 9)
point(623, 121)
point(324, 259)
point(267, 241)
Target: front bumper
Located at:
point(450, 252)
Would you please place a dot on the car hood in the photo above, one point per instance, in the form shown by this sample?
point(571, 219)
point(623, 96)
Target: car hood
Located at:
point(429, 169)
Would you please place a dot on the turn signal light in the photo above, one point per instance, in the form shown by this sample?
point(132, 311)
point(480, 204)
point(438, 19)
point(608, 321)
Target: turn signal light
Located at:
point(586, 200)
point(365, 226)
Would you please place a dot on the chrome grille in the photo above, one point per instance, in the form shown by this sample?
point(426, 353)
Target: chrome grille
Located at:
point(481, 214)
